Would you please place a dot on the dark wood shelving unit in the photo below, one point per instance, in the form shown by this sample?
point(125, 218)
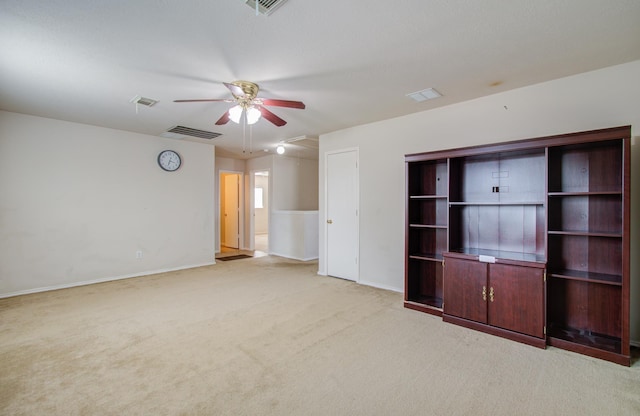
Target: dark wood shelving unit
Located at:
point(528, 240)
point(426, 238)
point(588, 258)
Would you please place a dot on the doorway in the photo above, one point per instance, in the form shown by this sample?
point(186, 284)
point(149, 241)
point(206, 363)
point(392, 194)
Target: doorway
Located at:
point(229, 211)
point(261, 211)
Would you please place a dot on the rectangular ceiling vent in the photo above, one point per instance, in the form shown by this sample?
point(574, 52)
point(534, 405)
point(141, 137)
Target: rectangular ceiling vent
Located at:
point(265, 7)
point(188, 131)
point(148, 102)
point(310, 142)
point(424, 95)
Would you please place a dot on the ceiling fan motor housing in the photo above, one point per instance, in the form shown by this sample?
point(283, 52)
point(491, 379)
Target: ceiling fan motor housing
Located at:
point(249, 89)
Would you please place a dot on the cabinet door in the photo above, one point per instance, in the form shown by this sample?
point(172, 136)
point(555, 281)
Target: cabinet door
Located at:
point(465, 289)
point(516, 299)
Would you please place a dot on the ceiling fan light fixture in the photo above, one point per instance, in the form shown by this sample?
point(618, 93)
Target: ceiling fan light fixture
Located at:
point(280, 149)
point(235, 113)
point(253, 115)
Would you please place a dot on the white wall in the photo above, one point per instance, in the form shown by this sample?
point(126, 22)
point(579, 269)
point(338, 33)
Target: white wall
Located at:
point(598, 99)
point(77, 202)
point(295, 234)
point(295, 184)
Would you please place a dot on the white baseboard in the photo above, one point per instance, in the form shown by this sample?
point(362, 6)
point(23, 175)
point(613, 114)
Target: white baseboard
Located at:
point(101, 280)
point(379, 286)
point(286, 256)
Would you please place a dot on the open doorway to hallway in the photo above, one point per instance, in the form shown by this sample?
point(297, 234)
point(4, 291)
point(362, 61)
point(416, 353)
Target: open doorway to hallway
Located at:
point(261, 211)
point(230, 211)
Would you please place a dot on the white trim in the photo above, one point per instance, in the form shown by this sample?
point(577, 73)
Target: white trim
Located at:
point(383, 287)
point(102, 280)
point(294, 258)
point(326, 202)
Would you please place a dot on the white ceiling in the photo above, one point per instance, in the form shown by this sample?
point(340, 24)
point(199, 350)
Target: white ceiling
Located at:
point(350, 62)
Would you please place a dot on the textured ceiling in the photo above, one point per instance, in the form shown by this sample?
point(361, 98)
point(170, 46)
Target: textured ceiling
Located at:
point(349, 62)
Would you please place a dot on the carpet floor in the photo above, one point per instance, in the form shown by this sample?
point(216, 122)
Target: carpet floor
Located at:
point(268, 336)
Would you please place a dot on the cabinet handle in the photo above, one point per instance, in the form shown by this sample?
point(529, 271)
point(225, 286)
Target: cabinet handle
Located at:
point(484, 293)
point(491, 294)
point(329, 221)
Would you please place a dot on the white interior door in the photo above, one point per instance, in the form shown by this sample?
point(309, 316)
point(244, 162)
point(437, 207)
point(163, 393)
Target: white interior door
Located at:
point(342, 214)
point(231, 209)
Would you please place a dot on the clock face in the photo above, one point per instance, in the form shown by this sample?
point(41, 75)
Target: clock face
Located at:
point(169, 160)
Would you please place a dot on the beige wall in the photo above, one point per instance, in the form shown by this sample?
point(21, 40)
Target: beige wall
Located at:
point(598, 99)
point(295, 184)
point(77, 202)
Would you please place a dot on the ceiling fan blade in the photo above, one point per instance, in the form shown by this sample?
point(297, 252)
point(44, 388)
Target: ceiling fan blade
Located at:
point(270, 116)
point(223, 120)
point(204, 100)
point(235, 90)
point(283, 103)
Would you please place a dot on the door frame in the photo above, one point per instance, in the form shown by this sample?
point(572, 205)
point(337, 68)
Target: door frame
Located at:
point(326, 207)
point(240, 208)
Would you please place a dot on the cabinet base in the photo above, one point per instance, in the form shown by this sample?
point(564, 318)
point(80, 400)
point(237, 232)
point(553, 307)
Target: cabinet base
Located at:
point(590, 351)
point(423, 308)
point(503, 333)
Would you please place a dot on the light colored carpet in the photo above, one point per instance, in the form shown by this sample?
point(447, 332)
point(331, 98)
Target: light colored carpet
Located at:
point(268, 336)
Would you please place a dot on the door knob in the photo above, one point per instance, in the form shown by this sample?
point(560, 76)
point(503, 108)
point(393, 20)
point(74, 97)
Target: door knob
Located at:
point(329, 221)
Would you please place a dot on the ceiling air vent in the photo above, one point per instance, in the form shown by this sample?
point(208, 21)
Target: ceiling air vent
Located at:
point(310, 142)
point(424, 95)
point(148, 102)
point(265, 6)
point(188, 131)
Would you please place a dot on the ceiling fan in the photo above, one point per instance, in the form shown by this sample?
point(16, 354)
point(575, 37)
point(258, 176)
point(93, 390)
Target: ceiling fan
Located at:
point(245, 96)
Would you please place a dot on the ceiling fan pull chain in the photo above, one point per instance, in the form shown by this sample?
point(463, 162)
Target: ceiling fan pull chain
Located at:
point(244, 136)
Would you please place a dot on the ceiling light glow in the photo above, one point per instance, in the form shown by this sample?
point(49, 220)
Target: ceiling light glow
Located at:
point(253, 115)
point(235, 113)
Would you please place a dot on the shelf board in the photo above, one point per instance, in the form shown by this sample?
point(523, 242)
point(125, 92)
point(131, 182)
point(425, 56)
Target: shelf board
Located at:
point(585, 234)
point(427, 256)
point(501, 254)
point(497, 203)
point(586, 193)
point(444, 227)
point(585, 338)
point(428, 197)
point(429, 301)
point(590, 277)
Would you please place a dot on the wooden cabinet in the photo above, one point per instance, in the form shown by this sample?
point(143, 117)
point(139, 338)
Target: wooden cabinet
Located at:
point(503, 299)
point(487, 221)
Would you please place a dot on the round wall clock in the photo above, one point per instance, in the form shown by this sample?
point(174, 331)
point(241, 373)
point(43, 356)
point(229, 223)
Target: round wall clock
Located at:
point(169, 160)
